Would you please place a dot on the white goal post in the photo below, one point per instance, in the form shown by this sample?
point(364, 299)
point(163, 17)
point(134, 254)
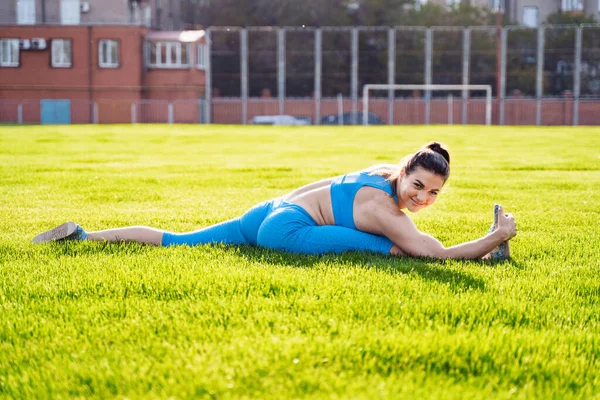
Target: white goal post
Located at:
point(487, 88)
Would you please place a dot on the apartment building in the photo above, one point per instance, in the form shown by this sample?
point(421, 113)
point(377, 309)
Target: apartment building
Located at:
point(161, 14)
point(530, 13)
point(84, 53)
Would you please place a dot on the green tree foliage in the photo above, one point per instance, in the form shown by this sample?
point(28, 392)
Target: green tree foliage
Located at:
point(447, 57)
point(329, 13)
point(570, 18)
point(460, 15)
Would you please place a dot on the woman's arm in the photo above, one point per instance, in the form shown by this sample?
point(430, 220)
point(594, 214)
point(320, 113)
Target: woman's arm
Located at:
point(402, 231)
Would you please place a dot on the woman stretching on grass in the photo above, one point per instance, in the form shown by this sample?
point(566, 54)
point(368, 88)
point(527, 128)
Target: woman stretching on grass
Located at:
point(359, 211)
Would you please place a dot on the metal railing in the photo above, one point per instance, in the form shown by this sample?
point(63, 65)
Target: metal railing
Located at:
point(334, 110)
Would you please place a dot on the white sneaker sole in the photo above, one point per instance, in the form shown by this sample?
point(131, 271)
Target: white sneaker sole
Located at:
point(58, 233)
point(504, 245)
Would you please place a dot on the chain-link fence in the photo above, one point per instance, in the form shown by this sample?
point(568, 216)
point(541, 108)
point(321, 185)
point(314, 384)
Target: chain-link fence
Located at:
point(549, 75)
point(544, 76)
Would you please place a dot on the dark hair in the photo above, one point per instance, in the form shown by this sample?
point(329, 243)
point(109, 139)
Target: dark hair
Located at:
point(433, 157)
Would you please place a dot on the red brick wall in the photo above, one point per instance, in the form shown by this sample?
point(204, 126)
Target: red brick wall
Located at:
point(113, 89)
point(516, 112)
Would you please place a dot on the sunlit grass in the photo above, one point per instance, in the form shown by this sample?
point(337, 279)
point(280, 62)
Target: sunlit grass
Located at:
point(100, 320)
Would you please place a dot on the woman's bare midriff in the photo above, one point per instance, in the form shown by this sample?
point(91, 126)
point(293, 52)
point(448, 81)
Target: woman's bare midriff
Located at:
point(315, 199)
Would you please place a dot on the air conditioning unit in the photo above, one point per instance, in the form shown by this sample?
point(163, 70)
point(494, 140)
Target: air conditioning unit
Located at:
point(84, 6)
point(24, 44)
point(38, 44)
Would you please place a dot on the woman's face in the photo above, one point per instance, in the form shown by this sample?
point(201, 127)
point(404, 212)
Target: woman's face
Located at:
point(418, 189)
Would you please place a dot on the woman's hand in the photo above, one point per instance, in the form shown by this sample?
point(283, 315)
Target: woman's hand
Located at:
point(506, 224)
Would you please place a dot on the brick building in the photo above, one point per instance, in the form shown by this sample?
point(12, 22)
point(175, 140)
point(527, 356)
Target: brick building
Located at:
point(91, 65)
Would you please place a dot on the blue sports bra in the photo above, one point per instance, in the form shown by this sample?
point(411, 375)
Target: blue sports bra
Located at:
point(344, 189)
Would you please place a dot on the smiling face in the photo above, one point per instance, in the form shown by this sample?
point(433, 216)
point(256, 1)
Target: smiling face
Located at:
point(418, 189)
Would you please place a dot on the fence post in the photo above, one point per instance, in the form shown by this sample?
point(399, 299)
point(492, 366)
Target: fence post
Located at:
point(354, 78)
point(391, 72)
point(133, 113)
point(208, 91)
point(450, 109)
point(20, 114)
point(201, 109)
point(502, 94)
point(281, 69)
point(540, 75)
point(428, 51)
point(340, 104)
point(244, 73)
point(95, 112)
point(577, 75)
point(318, 70)
point(171, 110)
point(466, 77)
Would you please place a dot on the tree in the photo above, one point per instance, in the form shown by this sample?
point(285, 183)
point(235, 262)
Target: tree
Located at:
point(562, 18)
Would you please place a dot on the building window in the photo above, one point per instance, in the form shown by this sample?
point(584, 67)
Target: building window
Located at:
point(495, 4)
point(169, 55)
point(108, 53)
point(70, 12)
point(26, 12)
point(9, 52)
point(531, 16)
point(202, 55)
point(146, 15)
point(451, 3)
point(61, 53)
point(572, 5)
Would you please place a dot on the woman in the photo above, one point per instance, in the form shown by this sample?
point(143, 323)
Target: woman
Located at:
point(360, 211)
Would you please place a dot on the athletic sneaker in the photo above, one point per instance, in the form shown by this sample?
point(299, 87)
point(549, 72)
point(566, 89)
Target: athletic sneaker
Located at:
point(502, 252)
point(67, 231)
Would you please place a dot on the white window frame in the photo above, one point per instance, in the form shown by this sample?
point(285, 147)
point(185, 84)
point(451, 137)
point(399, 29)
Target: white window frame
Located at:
point(60, 58)
point(70, 12)
point(202, 55)
point(10, 59)
point(109, 44)
point(167, 48)
point(496, 4)
point(537, 16)
point(571, 5)
point(25, 12)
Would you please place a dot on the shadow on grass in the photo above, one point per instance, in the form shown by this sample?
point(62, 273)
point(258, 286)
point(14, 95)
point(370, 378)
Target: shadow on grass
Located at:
point(443, 272)
point(426, 268)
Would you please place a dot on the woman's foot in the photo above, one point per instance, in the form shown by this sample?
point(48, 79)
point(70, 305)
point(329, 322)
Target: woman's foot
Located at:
point(502, 252)
point(67, 231)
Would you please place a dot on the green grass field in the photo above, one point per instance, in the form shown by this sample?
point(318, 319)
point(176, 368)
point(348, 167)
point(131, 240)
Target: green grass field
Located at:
point(125, 320)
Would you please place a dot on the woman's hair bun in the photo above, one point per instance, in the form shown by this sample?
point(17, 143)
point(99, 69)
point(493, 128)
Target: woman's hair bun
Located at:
point(440, 149)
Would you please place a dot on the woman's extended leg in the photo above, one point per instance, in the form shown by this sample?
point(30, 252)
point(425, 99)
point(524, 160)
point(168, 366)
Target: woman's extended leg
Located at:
point(139, 234)
point(241, 230)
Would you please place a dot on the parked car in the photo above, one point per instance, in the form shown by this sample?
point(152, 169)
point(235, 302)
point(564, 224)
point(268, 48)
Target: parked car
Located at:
point(280, 120)
point(334, 119)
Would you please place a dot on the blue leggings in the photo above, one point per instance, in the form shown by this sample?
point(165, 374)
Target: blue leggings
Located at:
point(284, 226)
